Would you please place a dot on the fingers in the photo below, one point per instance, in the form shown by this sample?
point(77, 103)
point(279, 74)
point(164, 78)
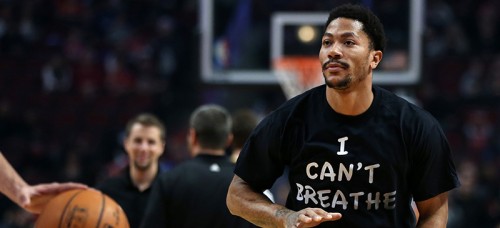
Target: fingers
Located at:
point(70, 185)
point(34, 198)
point(57, 187)
point(38, 202)
point(310, 217)
point(24, 200)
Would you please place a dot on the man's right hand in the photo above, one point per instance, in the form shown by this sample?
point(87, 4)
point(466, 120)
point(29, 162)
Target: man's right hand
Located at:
point(309, 217)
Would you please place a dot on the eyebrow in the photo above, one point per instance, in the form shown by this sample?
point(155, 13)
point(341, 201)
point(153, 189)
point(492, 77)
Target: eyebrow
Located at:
point(343, 35)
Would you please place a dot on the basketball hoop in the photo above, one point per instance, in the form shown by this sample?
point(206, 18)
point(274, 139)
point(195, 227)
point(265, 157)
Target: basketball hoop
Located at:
point(297, 74)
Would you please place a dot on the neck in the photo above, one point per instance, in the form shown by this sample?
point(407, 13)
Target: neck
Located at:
point(216, 152)
point(142, 179)
point(353, 101)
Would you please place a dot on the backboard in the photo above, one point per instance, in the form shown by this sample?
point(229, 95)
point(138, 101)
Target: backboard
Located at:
point(240, 39)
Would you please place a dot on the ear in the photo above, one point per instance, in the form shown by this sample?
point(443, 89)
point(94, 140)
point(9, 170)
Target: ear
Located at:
point(376, 58)
point(124, 143)
point(191, 136)
point(163, 146)
point(191, 142)
point(230, 138)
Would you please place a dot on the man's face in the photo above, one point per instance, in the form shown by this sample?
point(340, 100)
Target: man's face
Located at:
point(144, 146)
point(345, 54)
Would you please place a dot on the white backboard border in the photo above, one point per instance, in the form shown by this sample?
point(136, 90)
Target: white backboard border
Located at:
point(278, 21)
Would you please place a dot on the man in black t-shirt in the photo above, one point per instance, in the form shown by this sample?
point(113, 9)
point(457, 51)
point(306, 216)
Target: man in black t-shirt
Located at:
point(144, 143)
point(357, 154)
point(193, 194)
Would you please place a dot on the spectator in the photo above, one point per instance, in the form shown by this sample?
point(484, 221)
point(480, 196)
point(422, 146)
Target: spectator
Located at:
point(144, 143)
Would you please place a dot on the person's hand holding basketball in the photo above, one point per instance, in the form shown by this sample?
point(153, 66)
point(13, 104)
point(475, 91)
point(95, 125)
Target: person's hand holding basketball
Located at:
point(88, 208)
point(33, 198)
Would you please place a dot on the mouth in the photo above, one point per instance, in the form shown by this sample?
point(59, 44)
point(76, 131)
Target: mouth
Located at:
point(142, 158)
point(335, 65)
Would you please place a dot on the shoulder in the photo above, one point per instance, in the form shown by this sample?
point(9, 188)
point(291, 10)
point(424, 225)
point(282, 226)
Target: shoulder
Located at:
point(295, 107)
point(111, 183)
point(197, 167)
point(407, 111)
point(177, 169)
point(302, 100)
point(180, 169)
point(415, 122)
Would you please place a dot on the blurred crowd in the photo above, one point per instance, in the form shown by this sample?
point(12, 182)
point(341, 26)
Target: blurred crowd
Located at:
point(461, 87)
point(73, 71)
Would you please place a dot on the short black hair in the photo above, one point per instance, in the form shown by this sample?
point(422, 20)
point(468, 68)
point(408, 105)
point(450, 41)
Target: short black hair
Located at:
point(371, 23)
point(212, 124)
point(244, 121)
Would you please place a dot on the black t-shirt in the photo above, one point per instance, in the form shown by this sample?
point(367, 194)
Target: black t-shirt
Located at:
point(193, 194)
point(367, 167)
point(122, 190)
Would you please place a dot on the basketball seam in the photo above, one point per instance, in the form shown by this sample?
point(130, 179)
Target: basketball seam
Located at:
point(102, 210)
point(66, 207)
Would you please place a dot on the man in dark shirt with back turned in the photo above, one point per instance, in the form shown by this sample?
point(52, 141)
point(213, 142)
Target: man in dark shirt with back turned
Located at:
point(193, 194)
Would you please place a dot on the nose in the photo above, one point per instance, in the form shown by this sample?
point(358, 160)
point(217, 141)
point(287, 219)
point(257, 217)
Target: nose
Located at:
point(143, 145)
point(335, 51)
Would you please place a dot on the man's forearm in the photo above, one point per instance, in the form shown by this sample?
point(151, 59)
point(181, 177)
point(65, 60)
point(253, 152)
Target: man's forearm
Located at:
point(433, 212)
point(432, 222)
point(254, 206)
point(10, 179)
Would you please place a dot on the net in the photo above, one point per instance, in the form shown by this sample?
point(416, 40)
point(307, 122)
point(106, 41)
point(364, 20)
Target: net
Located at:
point(297, 74)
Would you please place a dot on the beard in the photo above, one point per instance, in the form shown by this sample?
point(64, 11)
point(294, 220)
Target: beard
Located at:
point(357, 75)
point(142, 167)
point(343, 84)
point(347, 81)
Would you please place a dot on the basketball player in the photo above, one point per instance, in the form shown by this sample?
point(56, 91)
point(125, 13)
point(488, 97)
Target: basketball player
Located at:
point(144, 143)
point(32, 198)
point(357, 154)
point(193, 194)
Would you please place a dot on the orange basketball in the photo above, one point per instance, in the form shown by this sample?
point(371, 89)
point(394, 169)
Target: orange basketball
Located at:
point(82, 209)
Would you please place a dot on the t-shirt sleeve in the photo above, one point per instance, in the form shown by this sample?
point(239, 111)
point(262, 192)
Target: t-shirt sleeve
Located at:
point(432, 168)
point(260, 162)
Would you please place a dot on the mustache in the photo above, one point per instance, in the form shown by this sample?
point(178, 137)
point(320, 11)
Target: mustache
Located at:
point(330, 61)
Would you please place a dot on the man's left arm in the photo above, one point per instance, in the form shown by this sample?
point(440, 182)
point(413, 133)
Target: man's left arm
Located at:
point(433, 212)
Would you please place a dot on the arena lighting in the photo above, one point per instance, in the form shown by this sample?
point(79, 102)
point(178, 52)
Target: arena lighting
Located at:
point(306, 33)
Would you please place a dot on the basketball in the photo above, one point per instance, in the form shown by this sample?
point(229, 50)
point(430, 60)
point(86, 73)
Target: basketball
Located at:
point(82, 209)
